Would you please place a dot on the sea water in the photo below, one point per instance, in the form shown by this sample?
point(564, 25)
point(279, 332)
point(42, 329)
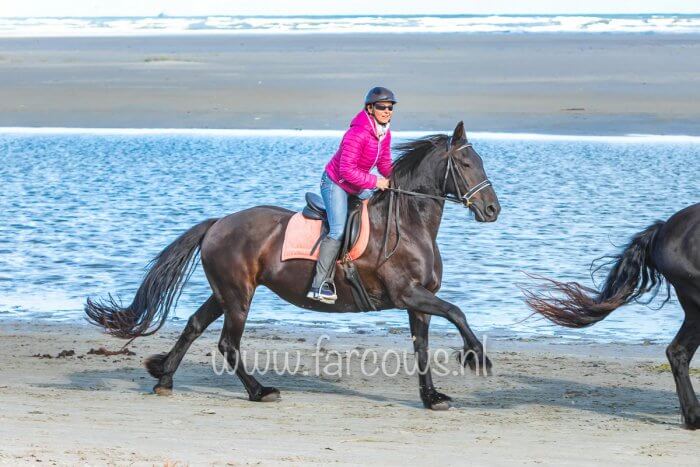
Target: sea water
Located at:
point(83, 212)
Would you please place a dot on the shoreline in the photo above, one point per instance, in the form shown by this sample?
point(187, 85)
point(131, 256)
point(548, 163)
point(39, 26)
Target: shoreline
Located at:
point(543, 403)
point(443, 331)
point(325, 133)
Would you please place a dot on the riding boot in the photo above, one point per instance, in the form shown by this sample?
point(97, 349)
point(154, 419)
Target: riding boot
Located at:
point(322, 287)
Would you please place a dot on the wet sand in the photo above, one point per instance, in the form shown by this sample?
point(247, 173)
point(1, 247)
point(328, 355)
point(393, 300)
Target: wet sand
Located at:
point(545, 403)
point(564, 83)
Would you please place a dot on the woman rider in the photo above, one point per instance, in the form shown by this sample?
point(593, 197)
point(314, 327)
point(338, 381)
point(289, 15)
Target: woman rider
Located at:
point(366, 144)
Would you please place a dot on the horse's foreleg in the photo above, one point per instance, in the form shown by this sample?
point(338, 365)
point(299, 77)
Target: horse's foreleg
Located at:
point(419, 330)
point(680, 353)
point(229, 346)
point(163, 366)
point(419, 298)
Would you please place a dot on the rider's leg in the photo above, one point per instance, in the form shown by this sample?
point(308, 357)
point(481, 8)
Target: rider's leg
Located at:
point(322, 287)
point(336, 201)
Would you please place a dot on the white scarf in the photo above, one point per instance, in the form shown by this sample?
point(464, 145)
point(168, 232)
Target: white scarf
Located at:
point(378, 127)
point(381, 129)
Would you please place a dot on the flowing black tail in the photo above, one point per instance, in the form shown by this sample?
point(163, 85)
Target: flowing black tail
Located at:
point(160, 289)
point(632, 274)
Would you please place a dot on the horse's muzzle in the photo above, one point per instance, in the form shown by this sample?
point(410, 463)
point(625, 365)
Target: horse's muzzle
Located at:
point(486, 212)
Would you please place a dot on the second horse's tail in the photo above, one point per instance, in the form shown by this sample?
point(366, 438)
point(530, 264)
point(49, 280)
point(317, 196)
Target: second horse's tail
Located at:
point(632, 274)
point(158, 292)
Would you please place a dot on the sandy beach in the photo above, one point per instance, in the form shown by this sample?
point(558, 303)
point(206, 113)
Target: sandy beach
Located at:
point(563, 404)
point(566, 84)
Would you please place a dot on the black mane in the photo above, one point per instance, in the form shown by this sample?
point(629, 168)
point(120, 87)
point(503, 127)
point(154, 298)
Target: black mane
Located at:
point(405, 167)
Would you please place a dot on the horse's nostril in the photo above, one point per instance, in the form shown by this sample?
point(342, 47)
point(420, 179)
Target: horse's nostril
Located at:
point(491, 209)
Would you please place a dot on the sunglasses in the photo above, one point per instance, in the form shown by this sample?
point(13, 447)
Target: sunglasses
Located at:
point(384, 107)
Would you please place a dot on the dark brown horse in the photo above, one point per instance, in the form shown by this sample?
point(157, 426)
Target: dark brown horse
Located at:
point(665, 250)
point(242, 251)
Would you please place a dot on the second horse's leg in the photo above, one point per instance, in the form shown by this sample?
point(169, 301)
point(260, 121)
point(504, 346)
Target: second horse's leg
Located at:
point(163, 366)
point(680, 353)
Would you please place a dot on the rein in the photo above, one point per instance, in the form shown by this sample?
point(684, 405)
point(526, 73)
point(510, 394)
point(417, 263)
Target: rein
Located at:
point(450, 172)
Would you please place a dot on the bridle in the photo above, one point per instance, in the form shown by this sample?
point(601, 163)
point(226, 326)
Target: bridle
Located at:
point(465, 199)
point(451, 172)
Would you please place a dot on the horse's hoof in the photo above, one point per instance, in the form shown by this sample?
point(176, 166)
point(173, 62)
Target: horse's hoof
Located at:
point(437, 401)
point(162, 391)
point(692, 419)
point(481, 369)
point(269, 395)
point(480, 365)
point(440, 406)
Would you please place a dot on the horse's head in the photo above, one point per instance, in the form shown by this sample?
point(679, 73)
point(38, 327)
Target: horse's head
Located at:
point(465, 179)
point(446, 167)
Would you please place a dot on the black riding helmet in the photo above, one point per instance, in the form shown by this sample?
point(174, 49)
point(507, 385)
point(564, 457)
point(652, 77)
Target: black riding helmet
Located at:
point(379, 94)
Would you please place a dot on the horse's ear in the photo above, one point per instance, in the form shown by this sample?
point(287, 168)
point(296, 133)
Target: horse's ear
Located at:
point(459, 134)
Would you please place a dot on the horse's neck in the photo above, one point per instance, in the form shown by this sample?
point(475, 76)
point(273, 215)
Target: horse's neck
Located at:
point(418, 217)
point(426, 212)
point(423, 212)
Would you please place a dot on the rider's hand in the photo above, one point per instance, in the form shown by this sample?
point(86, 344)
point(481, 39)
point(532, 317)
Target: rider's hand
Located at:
point(382, 183)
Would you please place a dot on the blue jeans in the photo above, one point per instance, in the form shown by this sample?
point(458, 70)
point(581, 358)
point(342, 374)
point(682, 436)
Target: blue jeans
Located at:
point(336, 201)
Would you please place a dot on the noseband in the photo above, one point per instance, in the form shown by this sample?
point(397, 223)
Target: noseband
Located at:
point(450, 172)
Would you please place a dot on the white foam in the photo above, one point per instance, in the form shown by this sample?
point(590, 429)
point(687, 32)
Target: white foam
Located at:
point(149, 26)
point(289, 133)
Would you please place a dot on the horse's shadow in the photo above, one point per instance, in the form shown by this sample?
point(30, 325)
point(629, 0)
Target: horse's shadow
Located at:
point(194, 378)
point(633, 403)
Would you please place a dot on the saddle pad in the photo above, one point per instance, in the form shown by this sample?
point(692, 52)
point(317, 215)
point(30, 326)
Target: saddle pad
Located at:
point(302, 233)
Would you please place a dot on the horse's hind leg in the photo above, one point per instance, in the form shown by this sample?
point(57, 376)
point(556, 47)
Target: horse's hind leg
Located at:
point(163, 366)
point(237, 305)
point(681, 352)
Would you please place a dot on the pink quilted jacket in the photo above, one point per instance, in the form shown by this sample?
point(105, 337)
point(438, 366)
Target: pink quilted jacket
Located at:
point(360, 150)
